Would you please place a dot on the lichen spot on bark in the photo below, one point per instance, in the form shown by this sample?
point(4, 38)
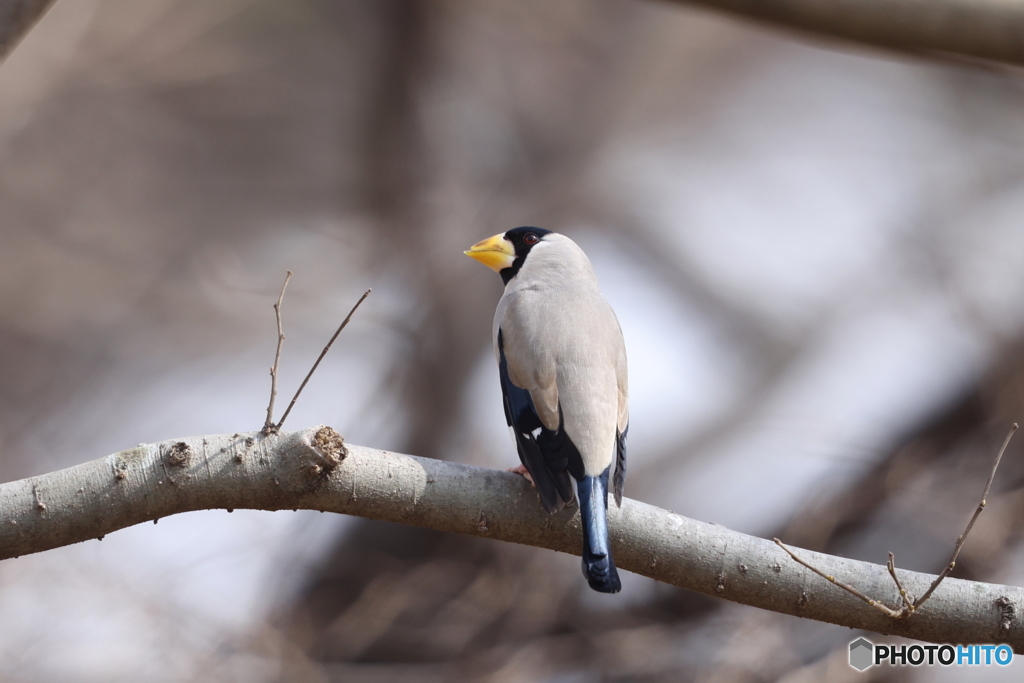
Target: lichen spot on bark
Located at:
point(128, 459)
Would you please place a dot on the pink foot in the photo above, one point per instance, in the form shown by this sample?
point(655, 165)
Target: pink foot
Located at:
point(519, 469)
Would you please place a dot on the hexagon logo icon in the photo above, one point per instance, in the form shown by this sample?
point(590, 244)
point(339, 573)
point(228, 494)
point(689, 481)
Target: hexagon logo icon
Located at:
point(861, 654)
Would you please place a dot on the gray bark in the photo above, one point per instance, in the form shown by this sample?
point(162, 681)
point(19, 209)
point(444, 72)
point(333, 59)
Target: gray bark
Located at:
point(986, 29)
point(16, 18)
point(313, 469)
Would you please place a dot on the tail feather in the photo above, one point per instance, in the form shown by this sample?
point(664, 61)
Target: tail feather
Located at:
point(598, 566)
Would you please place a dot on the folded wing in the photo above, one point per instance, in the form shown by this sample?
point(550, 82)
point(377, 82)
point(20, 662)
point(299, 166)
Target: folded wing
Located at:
point(549, 455)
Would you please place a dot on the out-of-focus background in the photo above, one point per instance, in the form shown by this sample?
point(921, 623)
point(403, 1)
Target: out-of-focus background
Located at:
point(814, 249)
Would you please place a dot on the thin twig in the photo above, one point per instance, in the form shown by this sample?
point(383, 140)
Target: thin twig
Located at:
point(970, 525)
point(874, 603)
point(908, 605)
point(322, 354)
point(269, 427)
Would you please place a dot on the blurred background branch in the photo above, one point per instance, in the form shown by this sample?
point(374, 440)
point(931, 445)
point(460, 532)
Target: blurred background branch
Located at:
point(16, 18)
point(982, 29)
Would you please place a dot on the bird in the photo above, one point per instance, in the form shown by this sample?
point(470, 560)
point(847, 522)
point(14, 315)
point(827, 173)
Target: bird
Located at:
point(562, 365)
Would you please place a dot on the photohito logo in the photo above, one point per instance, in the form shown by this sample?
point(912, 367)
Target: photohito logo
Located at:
point(864, 653)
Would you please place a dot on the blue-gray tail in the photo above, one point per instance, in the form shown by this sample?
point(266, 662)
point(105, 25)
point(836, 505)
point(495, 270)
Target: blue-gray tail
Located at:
point(598, 566)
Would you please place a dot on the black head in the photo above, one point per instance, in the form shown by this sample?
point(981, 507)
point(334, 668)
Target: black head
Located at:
point(523, 240)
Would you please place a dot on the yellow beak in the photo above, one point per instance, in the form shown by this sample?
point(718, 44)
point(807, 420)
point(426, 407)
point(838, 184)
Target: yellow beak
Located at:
point(495, 252)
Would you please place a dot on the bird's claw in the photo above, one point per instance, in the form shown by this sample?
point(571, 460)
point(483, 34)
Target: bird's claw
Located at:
point(520, 469)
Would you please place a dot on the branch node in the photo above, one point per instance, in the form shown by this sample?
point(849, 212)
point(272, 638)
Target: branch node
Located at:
point(179, 454)
point(330, 445)
point(1007, 613)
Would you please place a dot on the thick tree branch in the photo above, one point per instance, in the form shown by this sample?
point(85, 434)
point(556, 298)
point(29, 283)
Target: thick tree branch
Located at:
point(986, 29)
point(312, 469)
point(16, 18)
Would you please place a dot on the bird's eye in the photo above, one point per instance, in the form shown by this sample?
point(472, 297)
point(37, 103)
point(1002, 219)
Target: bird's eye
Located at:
point(530, 238)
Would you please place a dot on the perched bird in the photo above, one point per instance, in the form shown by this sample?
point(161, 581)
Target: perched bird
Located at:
point(562, 364)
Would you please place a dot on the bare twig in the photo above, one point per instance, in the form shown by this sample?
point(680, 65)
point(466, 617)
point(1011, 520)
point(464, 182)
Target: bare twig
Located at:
point(909, 607)
point(269, 427)
point(970, 524)
point(881, 607)
point(16, 18)
point(321, 357)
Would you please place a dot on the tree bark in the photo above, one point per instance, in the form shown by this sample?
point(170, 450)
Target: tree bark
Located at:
point(16, 18)
point(313, 469)
point(985, 29)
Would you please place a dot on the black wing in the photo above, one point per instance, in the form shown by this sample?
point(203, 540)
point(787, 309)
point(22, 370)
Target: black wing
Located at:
point(548, 455)
point(620, 465)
